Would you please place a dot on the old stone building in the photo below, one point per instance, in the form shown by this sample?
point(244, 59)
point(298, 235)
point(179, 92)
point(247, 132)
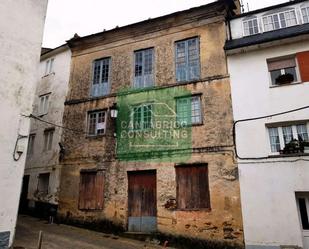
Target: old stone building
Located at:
point(174, 63)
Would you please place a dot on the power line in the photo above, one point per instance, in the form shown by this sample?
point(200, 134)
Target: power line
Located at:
point(258, 118)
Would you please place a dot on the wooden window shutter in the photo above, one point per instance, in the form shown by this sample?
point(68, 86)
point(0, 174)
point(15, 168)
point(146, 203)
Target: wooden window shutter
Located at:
point(192, 187)
point(281, 64)
point(303, 63)
point(91, 190)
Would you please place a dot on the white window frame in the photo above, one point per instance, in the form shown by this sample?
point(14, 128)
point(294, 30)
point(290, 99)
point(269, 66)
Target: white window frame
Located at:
point(298, 76)
point(44, 101)
point(306, 8)
point(48, 139)
point(247, 21)
point(102, 125)
point(281, 138)
point(49, 66)
point(278, 16)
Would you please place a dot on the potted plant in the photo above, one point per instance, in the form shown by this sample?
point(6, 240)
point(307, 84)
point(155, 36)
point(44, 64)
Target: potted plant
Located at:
point(285, 79)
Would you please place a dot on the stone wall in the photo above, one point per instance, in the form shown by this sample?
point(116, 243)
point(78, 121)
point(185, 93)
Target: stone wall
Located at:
point(212, 141)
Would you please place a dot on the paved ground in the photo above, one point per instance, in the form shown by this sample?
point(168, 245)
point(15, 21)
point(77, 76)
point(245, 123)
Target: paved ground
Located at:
point(67, 237)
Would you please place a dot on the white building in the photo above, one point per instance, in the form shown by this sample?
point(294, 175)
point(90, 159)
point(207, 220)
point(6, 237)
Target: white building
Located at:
point(42, 172)
point(21, 31)
point(268, 59)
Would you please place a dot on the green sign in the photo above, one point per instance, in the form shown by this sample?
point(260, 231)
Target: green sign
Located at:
point(153, 125)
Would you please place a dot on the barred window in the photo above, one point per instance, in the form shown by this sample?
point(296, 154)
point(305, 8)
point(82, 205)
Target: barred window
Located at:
point(187, 60)
point(96, 123)
point(144, 60)
point(100, 81)
point(189, 110)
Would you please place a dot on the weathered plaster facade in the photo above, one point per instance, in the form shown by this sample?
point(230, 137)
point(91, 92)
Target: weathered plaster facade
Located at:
point(212, 141)
point(19, 52)
point(52, 81)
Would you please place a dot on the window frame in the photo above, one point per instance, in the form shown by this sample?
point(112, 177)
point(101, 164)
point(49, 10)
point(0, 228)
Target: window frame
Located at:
point(198, 96)
point(97, 112)
point(279, 20)
point(281, 134)
point(48, 139)
point(199, 166)
point(186, 56)
point(247, 21)
point(306, 8)
point(108, 87)
point(283, 70)
point(143, 75)
point(43, 109)
point(49, 66)
point(132, 123)
point(31, 142)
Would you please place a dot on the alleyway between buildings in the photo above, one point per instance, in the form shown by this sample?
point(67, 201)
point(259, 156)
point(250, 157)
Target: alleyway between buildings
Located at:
point(67, 237)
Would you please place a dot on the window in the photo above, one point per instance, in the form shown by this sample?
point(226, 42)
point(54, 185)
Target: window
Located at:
point(43, 183)
point(96, 123)
point(144, 68)
point(187, 60)
point(49, 66)
point(283, 71)
point(251, 27)
point(142, 117)
point(282, 136)
point(274, 139)
point(280, 20)
point(31, 144)
point(305, 14)
point(100, 81)
point(48, 139)
point(192, 187)
point(189, 110)
point(91, 190)
point(44, 104)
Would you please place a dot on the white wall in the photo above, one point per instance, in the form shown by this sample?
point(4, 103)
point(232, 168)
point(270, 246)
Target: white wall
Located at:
point(268, 202)
point(21, 31)
point(267, 189)
point(41, 161)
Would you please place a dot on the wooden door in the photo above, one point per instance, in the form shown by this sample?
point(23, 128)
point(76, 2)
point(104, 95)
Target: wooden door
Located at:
point(142, 203)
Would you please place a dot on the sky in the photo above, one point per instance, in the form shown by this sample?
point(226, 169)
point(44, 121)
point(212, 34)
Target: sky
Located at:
point(67, 17)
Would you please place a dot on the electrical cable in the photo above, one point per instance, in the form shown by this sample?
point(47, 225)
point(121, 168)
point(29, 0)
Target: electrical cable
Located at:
point(258, 118)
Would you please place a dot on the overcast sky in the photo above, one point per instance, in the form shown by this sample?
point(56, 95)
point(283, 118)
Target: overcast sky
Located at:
point(67, 17)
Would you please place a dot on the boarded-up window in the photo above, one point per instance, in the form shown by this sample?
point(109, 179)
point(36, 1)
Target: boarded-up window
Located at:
point(303, 63)
point(91, 190)
point(43, 183)
point(192, 187)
